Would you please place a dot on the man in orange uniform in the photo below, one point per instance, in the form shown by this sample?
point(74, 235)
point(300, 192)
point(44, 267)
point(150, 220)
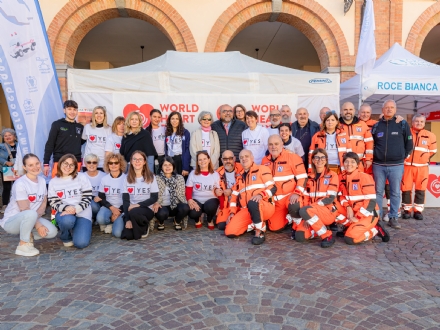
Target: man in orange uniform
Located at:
point(228, 176)
point(358, 200)
point(252, 191)
point(359, 136)
point(289, 175)
point(416, 169)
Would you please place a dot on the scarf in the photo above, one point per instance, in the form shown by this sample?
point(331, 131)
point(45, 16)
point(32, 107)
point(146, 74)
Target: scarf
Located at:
point(206, 129)
point(171, 183)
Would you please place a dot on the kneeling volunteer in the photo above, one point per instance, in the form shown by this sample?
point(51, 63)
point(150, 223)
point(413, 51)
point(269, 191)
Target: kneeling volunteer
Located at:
point(27, 205)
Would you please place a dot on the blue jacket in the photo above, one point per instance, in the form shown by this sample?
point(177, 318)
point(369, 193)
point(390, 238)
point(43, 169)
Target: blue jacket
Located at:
point(186, 156)
point(4, 155)
point(314, 127)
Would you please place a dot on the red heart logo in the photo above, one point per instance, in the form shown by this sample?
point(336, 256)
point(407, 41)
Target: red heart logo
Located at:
point(60, 194)
point(105, 189)
point(198, 185)
point(245, 142)
point(118, 145)
point(130, 190)
point(32, 198)
point(434, 185)
point(144, 111)
point(92, 137)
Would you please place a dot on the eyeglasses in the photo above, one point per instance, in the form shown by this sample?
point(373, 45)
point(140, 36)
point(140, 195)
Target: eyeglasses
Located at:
point(207, 119)
point(68, 165)
point(275, 115)
point(330, 111)
point(227, 111)
point(137, 160)
point(92, 163)
point(228, 159)
point(113, 163)
point(317, 158)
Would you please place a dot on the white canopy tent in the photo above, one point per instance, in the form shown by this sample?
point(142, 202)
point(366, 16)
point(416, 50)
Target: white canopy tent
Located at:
point(400, 75)
point(192, 82)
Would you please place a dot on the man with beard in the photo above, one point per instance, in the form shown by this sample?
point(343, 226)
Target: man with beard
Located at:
point(275, 121)
point(286, 114)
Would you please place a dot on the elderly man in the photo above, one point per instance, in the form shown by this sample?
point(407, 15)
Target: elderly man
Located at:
point(275, 121)
point(393, 143)
point(323, 112)
point(358, 134)
point(286, 114)
point(228, 175)
point(365, 115)
point(304, 129)
point(229, 130)
point(250, 200)
point(416, 168)
point(290, 177)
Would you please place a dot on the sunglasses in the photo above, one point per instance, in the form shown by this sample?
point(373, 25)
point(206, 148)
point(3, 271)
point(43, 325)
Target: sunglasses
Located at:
point(207, 119)
point(331, 111)
point(113, 163)
point(92, 163)
point(228, 159)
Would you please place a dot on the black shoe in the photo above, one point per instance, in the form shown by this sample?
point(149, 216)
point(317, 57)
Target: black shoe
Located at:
point(333, 227)
point(382, 232)
point(327, 242)
point(160, 226)
point(258, 240)
point(221, 225)
point(406, 215)
point(393, 223)
point(292, 235)
point(418, 216)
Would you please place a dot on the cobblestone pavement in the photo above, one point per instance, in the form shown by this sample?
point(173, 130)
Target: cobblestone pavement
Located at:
point(199, 279)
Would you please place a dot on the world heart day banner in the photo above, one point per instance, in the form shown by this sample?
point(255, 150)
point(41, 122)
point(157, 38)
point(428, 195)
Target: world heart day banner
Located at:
point(27, 74)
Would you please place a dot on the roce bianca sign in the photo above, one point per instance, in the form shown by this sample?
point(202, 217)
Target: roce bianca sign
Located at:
point(406, 86)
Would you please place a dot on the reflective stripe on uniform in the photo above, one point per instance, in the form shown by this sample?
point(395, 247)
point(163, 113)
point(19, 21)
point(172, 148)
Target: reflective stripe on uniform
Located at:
point(360, 197)
point(368, 139)
point(284, 178)
point(322, 231)
point(365, 212)
point(313, 220)
point(415, 164)
point(279, 197)
point(356, 137)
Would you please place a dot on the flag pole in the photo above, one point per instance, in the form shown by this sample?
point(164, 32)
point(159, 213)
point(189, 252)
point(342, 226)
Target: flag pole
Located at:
point(360, 89)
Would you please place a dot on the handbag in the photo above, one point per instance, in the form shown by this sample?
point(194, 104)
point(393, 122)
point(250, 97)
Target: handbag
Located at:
point(8, 171)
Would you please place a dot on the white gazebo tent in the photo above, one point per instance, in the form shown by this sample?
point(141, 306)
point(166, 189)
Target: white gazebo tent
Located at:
point(189, 82)
point(400, 75)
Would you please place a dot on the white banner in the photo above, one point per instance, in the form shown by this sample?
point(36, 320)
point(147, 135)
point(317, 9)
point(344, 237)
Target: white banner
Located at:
point(27, 73)
point(433, 189)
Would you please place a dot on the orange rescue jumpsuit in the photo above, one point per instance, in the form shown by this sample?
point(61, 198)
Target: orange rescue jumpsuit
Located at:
point(416, 169)
point(225, 210)
point(256, 181)
point(319, 141)
point(290, 176)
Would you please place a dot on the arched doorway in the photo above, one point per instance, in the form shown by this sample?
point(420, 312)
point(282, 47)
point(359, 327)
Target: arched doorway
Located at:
point(430, 50)
point(277, 43)
point(308, 17)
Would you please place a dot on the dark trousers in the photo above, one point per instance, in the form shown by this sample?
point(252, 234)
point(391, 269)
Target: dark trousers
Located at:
point(209, 207)
point(158, 168)
point(140, 218)
point(179, 212)
point(6, 195)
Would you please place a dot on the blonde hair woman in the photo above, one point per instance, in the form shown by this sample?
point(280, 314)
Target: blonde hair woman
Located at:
point(113, 142)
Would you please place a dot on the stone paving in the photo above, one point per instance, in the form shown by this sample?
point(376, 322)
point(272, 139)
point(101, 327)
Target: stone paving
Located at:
point(199, 279)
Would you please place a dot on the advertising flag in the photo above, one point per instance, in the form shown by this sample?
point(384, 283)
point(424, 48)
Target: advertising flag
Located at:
point(366, 56)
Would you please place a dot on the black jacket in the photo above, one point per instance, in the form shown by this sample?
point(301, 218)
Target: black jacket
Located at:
point(64, 138)
point(232, 141)
point(314, 127)
point(392, 141)
point(141, 141)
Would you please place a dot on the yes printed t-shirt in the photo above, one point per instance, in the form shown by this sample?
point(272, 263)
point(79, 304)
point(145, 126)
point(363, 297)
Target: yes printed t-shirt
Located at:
point(140, 190)
point(96, 138)
point(113, 188)
point(203, 186)
point(113, 143)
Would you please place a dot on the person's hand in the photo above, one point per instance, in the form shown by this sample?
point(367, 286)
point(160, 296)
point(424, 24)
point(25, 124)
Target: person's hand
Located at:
point(132, 206)
point(68, 210)
point(294, 198)
point(228, 220)
point(257, 198)
point(97, 199)
point(350, 213)
point(156, 207)
point(368, 163)
point(227, 192)
point(9, 163)
point(185, 173)
point(114, 217)
point(193, 205)
point(399, 118)
point(42, 231)
point(115, 211)
point(46, 170)
point(218, 192)
point(306, 225)
point(129, 225)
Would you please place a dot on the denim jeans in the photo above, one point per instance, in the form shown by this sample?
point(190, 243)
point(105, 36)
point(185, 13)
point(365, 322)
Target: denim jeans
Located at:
point(103, 218)
point(394, 175)
point(95, 208)
point(76, 229)
point(23, 223)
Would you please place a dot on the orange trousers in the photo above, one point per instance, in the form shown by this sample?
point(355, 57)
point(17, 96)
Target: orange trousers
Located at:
point(414, 176)
point(361, 231)
point(242, 219)
point(317, 218)
point(278, 221)
point(223, 215)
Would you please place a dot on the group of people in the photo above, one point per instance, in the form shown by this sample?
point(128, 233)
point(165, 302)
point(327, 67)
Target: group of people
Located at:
point(318, 179)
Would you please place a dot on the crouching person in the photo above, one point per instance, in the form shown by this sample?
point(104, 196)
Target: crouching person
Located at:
point(358, 199)
point(253, 189)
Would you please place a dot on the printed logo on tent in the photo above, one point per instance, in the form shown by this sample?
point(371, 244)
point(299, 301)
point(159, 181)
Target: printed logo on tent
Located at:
point(408, 62)
point(320, 81)
point(434, 185)
point(144, 111)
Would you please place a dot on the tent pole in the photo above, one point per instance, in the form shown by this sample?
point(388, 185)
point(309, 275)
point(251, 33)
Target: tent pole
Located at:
point(415, 106)
point(360, 89)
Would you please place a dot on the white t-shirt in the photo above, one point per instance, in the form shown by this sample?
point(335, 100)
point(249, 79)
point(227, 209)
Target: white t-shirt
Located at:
point(25, 189)
point(95, 181)
point(273, 131)
point(166, 198)
point(158, 136)
point(140, 190)
point(96, 140)
point(113, 143)
point(206, 142)
point(174, 144)
point(230, 179)
point(332, 149)
point(70, 192)
point(203, 186)
point(112, 188)
point(256, 141)
point(295, 146)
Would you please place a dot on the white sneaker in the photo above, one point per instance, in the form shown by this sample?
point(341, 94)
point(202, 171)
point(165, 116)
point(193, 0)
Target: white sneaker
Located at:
point(26, 250)
point(102, 227)
point(68, 244)
point(108, 229)
point(386, 218)
point(146, 235)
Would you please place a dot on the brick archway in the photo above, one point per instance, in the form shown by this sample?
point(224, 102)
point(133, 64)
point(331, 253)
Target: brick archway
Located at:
point(307, 16)
point(420, 29)
point(78, 17)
